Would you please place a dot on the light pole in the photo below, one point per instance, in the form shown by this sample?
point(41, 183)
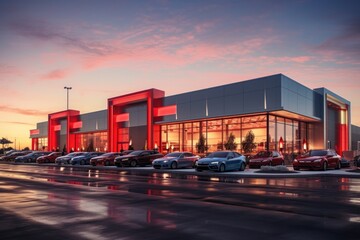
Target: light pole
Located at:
point(67, 96)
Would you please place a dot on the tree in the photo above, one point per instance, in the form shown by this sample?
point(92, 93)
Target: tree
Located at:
point(248, 144)
point(201, 145)
point(230, 144)
point(3, 142)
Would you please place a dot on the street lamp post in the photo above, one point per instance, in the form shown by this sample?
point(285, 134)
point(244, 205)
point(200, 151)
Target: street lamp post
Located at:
point(67, 96)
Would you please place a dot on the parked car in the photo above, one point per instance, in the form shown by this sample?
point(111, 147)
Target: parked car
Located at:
point(135, 158)
point(12, 156)
point(85, 159)
point(318, 159)
point(50, 158)
point(176, 160)
point(66, 158)
point(30, 157)
point(222, 161)
point(107, 159)
point(266, 158)
point(344, 163)
point(357, 161)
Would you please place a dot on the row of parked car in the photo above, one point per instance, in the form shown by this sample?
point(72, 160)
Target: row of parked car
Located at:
point(216, 161)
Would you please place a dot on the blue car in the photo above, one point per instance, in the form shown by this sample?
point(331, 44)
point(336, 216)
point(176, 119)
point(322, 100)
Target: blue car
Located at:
point(222, 161)
point(176, 160)
point(84, 159)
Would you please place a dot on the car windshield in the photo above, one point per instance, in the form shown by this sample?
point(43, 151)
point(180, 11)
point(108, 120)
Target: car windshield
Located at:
point(318, 153)
point(74, 154)
point(136, 153)
point(107, 154)
point(177, 154)
point(218, 155)
point(262, 154)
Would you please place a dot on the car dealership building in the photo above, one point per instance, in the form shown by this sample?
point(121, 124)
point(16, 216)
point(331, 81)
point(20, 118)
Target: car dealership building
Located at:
point(281, 114)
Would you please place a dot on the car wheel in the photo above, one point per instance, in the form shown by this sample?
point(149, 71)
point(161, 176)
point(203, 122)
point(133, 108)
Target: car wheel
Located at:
point(118, 165)
point(242, 167)
point(133, 163)
point(338, 166)
point(296, 168)
point(93, 164)
point(222, 168)
point(173, 165)
point(82, 162)
point(324, 166)
point(107, 163)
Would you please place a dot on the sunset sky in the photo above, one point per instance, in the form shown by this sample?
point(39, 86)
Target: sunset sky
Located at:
point(106, 48)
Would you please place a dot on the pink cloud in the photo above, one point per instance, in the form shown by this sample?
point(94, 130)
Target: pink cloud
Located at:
point(21, 123)
point(55, 74)
point(23, 111)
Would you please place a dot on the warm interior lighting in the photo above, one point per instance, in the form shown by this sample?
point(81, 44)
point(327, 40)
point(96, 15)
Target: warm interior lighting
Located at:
point(281, 143)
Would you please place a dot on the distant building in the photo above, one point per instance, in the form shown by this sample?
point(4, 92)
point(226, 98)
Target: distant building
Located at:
point(281, 113)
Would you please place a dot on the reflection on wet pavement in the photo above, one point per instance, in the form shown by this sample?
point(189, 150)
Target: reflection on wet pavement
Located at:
point(94, 204)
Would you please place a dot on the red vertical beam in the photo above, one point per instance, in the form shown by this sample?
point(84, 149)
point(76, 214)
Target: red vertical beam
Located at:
point(150, 121)
point(110, 127)
point(33, 142)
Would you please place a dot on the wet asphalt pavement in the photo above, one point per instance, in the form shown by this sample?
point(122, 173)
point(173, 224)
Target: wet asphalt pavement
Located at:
point(53, 202)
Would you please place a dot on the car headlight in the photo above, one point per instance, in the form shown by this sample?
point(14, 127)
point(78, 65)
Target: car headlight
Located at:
point(165, 161)
point(317, 160)
point(295, 160)
point(215, 163)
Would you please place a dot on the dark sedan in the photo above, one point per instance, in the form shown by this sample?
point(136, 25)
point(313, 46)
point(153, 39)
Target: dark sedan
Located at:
point(318, 159)
point(12, 156)
point(30, 157)
point(85, 159)
point(135, 158)
point(266, 158)
point(66, 158)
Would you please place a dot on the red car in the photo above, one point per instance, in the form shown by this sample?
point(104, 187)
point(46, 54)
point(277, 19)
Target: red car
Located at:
point(266, 158)
point(50, 158)
point(318, 159)
point(107, 159)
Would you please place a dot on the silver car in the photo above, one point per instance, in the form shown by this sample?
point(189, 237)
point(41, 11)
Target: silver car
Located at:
point(66, 159)
point(176, 160)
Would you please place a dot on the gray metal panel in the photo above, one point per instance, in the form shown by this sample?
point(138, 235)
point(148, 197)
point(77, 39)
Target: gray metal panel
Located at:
point(253, 101)
point(215, 106)
point(231, 99)
point(43, 130)
point(95, 121)
point(234, 104)
point(197, 109)
point(298, 99)
point(137, 113)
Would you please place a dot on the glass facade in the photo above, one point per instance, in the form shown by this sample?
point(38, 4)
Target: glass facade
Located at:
point(42, 144)
point(97, 141)
point(269, 131)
